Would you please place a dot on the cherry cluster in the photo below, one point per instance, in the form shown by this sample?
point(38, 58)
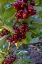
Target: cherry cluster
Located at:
point(9, 61)
point(24, 10)
point(4, 32)
point(20, 33)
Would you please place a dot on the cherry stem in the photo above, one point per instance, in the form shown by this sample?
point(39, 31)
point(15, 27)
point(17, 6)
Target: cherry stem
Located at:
point(9, 46)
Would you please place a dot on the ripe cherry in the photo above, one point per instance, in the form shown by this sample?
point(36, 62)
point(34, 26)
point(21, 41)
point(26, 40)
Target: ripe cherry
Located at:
point(15, 27)
point(32, 3)
point(25, 1)
point(17, 16)
point(21, 30)
point(30, 9)
point(23, 4)
point(13, 58)
point(33, 13)
point(16, 5)
point(25, 14)
point(27, 29)
point(15, 36)
point(14, 41)
point(23, 25)
point(9, 39)
point(1, 34)
point(6, 61)
point(5, 31)
point(20, 12)
point(23, 36)
point(19, 39)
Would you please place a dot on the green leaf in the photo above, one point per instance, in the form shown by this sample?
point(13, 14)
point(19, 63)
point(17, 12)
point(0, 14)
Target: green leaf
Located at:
point(8, 14)
point(1, 60)
point(34, 40)
point(37, 2)
point(37, 23)
point(38, 8)
point(9, 22)
point(19, 44)
point(25, 41)
point(40, 15)
point(22, 53)
point(2, 40)
point(35, 32)
point(5, 1)
point(23, 61)
point(28, 36)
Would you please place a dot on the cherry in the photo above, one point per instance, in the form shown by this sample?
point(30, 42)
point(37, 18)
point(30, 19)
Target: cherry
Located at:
point(27, 28)
point(1, 34)
point(25, 14)
point(5, 31)
point(23, 33)
point(17, 16)
point(23, 4)
point(15, 40)
point(30, 8)
point(25, 1)
point(19, 39)
point(16, 31)
point(21, 30)
point(32, 3)
point(9, 39)
point(16, 5)
point(23, 25)
point(6, 61)
point(33, 13)
point(15, 36)
point(13, 58)
point(20, 12)
point(15, 27)
point(23, 36)
point(22, 1)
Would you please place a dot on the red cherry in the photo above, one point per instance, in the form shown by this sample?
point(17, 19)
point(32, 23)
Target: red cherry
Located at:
point(23, 4)
point(30, 8)
point(33, 13)
point(16, 31)
point(19, 39)
point(32, 3)
point(1, 34)
point(15, 27)
point(20, 12)
point(23, 25)
point(16, 5)
point(25, 1)
point(14, 41)
point(5, 31)
point(27, 29)
point(23, 36)
point(21, 30)
point(17, 16)
point(13, 58)
point(25, 14)
point(9, 39)
point(22, 1)
point(6, 61)
point(15, 36)
point(23, 33)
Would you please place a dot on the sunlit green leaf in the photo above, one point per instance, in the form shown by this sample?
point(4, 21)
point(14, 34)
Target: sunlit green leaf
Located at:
point(2, 40)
